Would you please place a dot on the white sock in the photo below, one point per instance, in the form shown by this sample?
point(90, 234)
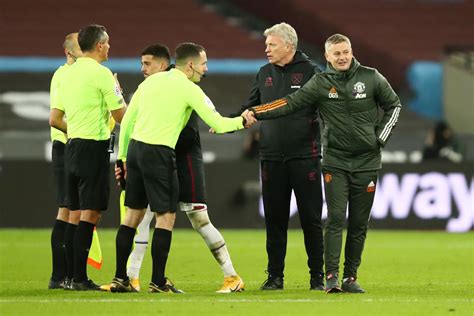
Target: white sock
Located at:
point(141, 243)
point(214, 240)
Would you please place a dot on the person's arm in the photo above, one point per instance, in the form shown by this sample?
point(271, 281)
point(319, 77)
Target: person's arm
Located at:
point(112, 92)
point(126, 127)
point(306, 96)
point(207, 112)
point(388, 100)
point(118, 114)
point(56, 120)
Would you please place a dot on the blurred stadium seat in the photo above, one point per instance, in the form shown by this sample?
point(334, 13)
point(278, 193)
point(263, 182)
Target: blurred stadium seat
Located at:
point(131, 27)
point(387, 34)
point(426, 81)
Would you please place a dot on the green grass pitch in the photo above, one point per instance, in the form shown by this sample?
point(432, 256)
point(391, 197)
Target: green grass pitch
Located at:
point(404, 273)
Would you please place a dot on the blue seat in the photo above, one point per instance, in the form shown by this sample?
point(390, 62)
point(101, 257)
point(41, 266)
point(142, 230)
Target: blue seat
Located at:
point(425, 79)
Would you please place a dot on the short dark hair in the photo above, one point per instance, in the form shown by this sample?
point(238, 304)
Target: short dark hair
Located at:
point(187, 50)
point(158, 51)
point(90, 35)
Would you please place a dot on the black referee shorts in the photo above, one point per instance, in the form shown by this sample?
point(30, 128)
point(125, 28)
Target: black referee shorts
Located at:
point(151, 177)
point(57, 154)
point(87, 168)
point(192, 183)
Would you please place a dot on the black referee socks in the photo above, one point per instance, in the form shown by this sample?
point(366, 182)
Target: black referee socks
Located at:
point(69, 244)
point(123, 248)
point(82, 243)
point(58, 250)
point(160, 248)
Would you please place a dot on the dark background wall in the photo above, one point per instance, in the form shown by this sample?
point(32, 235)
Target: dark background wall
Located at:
point(428, 196)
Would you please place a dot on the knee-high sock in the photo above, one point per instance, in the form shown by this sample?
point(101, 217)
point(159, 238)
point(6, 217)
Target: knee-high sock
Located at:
point(58, 250)
point(82, 244)
point(213, 239)
point(141, 243)
point(69, 244)
point(160, 248)
point(123, 247)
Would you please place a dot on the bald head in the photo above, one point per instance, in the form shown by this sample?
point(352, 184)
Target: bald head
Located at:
point(71, 47)
point(70, 41)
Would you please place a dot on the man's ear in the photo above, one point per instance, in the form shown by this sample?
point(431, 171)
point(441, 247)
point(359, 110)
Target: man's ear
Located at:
point(163, 66)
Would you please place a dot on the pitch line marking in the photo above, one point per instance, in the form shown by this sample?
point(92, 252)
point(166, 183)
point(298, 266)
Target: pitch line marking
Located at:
point(243, 300)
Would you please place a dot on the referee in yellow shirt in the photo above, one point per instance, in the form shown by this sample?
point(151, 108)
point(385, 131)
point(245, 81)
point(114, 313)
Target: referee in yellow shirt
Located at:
point(159, 110)
point(87, 95)
point(65, 225)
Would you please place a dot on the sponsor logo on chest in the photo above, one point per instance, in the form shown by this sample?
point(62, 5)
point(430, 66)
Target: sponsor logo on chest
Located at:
point(359, 91)
point(333, 93)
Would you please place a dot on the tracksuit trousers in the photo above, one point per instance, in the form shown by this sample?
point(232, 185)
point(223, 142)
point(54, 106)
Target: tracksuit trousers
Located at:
point(352, 191)
point(303, 176)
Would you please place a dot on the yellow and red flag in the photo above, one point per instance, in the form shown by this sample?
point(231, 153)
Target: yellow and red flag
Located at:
point(95, 253)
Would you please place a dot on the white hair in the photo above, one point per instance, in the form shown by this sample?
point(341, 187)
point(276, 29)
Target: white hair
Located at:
point(336, 39)
point(285, 31)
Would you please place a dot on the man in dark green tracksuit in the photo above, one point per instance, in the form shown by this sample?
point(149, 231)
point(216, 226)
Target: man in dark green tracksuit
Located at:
point(348, 97)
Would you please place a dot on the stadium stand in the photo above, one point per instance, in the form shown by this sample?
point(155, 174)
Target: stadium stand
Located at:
point(387, 34)
point(131, 27)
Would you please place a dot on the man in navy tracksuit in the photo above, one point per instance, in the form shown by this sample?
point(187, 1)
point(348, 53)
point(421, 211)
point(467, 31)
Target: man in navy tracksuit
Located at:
point(290, 157)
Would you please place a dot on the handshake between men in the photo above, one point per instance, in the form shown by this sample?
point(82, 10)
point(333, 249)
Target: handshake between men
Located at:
point(249, 120)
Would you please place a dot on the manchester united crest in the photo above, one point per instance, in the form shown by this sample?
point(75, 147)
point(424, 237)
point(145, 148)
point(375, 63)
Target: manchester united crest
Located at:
point(359, 90)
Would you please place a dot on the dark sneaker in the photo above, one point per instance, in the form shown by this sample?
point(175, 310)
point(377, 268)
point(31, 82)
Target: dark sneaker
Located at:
point(120, 286)
point(67, 283)
point(168, 287)
point(55, 285)
point(274, 282)
point(87, 285)
point(316, 283)
point(350, 285)
point(332, 283)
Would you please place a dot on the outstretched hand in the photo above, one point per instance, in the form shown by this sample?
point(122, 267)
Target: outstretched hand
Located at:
point(249, 117)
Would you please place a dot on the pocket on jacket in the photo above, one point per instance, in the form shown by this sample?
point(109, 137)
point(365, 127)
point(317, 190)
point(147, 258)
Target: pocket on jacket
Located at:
point(365, 139)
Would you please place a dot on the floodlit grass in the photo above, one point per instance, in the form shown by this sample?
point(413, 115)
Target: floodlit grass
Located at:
point(404, 273)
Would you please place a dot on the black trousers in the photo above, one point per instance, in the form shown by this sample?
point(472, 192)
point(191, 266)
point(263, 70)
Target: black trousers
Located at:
point(353, 192)
point(278, 180)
